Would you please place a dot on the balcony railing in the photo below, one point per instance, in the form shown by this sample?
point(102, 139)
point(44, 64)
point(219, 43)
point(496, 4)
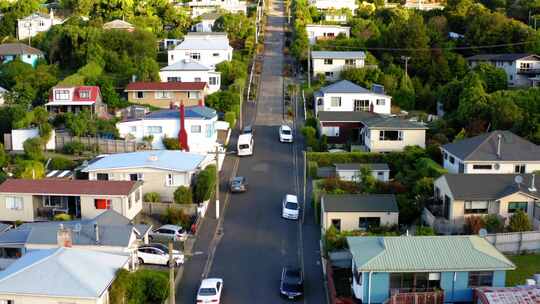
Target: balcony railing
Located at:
point(528, 71)
point(419, 296)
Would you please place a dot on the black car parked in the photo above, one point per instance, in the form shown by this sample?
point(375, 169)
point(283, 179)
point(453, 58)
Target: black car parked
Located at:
point(292, 282)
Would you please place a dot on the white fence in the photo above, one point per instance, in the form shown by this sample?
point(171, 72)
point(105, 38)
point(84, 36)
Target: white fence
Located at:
point(515, 242)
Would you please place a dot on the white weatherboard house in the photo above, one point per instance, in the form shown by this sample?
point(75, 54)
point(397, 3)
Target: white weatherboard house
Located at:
point(500, 152)
point(199, 7)
point(206, 48)
point(324, 5)
point(161, 171)
point(353, 171)
point(331, 64)
point(522, 69)
point(188, 70)
point(200, 125)
point(30, 26)
point(345, 96)
point(325, 32)
point(61, 275)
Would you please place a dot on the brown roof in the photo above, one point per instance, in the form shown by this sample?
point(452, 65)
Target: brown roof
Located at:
point(68, 187)
point(18, 49)
point(166, 86)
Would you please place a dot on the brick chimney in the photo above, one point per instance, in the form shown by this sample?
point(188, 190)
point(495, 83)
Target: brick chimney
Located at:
point(63, 236)
point(182, 134)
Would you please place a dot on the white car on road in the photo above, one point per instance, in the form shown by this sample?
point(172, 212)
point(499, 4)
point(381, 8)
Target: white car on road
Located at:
point(285, 134)
point(158, 254)
point(210, 291)
point(290, 207)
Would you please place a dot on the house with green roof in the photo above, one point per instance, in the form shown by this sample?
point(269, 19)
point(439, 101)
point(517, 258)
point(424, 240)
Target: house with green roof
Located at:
point(447, 267)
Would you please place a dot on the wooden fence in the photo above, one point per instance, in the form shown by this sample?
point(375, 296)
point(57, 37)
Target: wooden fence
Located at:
point(515, 242)
point(102, 145)
point(160, 209)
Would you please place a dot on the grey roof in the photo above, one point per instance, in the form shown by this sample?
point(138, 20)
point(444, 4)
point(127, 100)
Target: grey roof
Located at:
point(62, 272)
point(358, 166)
point(344, 86)
point(210, 16)
point(190, 112)
point(501, 57)
point(488, 186)
point(359, 203)
point(337, 55)
point(484, 148)
point(371, 120)
point(18, 49)
point(204, 41)
point(186, 65)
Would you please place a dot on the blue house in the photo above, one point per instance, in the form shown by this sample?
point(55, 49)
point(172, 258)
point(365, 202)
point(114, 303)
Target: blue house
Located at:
point(27, 54)
point(435, 266)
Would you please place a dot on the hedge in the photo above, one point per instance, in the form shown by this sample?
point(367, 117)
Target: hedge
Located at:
point(204, 186)
point(74, 148)
point(152, 197)
point(61, 163)
point(324, 159)
point(230, 117)
point(183, 195)
point(139, 287)
point(312, 169)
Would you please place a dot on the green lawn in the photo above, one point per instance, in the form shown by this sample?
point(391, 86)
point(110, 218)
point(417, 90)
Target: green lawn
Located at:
point(527, 265)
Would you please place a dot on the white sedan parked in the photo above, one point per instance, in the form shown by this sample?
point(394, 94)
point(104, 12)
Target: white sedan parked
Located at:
point(290, 207)
point(285, 134)
point(158, 254)
point(210, 291)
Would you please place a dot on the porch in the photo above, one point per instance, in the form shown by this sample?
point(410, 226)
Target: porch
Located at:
point(47, 206)
point(418, 296)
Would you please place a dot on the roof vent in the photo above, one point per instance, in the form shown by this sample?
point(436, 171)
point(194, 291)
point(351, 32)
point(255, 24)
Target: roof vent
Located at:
point(499, 137)
point(153, 158)
point(533, 186)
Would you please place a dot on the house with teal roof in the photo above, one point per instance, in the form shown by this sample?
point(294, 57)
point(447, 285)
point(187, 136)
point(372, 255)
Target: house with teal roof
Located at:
point(444, 268)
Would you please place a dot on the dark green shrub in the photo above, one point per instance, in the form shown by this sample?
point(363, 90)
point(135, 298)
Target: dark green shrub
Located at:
point(312, 169)
point(177, 217)
point(61, 163)
point(183, 195)
point(74, 148)
point(230, 117)
point(494, 223)
point(152, 197)
point(171, 143)
point(424, 230)
point(139, 287)
point(33, 148)
point(311, 122)
point(204, 186)
point(519, 222)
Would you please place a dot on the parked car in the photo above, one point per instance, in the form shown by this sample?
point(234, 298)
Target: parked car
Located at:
point(168, 232)
point(210, 291)
point(158, 254)
point(285, 134)
point(291, 208)
point(292, 282)
point(248, 130)
point(238, 184)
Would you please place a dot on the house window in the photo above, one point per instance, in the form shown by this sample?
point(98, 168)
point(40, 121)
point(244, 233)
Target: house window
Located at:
point(14, 203)
point(331, 131)
point(154, 129)
point(451, 159)
point(445, 155)
point(335, 101)
point(196, 129)
point(361, 105)
point(102, 203)
point(133, 129)
point(212, 80)
point(350, 62)
point(209, 130)
point(328, 34)
point(174, 79)
point(7, 302)
point(329, 74)
point(215, 54)
point(514, 206)
point(381, 102)
point(482, 167)
point(54, 201)
point(415, 282)
point(380, 174)
point(328, 61)
point(364, 223)
point(102, 176)
point(163, 95)
point(139, 95)
point(480, 278)
point(173, 180)
point(197, 79)
point(10, 253)
point(61, 94)
point(84, 94)
point(194, 95)
point(476, 207)
point(136, 177)
point(195, 56)
point(129, 202)
point(337, 224)
point(520, 169)
point(137, 195)
point(172, 57)
point(391, 135)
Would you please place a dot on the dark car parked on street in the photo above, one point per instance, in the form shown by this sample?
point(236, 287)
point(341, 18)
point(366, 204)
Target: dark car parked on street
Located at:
point(292, 282)
point(238, 184)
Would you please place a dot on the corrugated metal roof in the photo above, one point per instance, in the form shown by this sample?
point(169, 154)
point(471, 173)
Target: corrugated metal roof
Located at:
point(344, 86)
point(68, 186)
point(372, 120)
point(159, 159)
point(62, 272)
point(337, 55)
point(165, 86)
point(18, 49)
point(426, 253)
point(501, 57)
point(186, 65)
point(204, 41)
point(190, 112)
point(359, 203)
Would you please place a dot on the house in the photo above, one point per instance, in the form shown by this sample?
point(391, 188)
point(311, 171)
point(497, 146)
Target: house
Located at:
point(329, 5)
point(345, 96)
point(36, 23)
point(206, 23)
point(200, 7)
point(162, 171)
point(14, 141)
point(373, 132)
point(118, 24)
point(167, 94)
point(30, 200)
point(199, 123)
point(61, 275)
point(494, 152)
point(507, 295)
point(352, 171)
point(459, 196)
point(206, 48)
point(331, 63)
point(187, 70)
point(74, 99)
point(27, 54)
point(168, 43)
point(521, 69)
point(107, 232)
point(402, 267)
point(326, 32)
point(348, 212)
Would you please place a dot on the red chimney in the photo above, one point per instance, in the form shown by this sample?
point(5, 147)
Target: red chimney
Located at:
point(182, 134)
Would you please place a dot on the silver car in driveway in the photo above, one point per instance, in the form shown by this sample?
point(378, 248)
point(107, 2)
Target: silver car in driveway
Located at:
point(168, 232)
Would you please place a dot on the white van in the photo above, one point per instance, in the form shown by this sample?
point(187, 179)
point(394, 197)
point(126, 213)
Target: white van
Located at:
point(245, 145)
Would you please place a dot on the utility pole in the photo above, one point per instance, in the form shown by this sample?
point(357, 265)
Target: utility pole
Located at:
point(309, 65)
point(217, 182)
point(172, 299)
point(406, 58)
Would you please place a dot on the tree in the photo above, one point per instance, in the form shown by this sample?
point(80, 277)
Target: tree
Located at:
point(494, 223)
point(33, 148)
point(495, 78)
point(29, 169)
point(183, 195)
point(473, 100)
point(473, 224)
point(519, 222)
point(204, 185)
